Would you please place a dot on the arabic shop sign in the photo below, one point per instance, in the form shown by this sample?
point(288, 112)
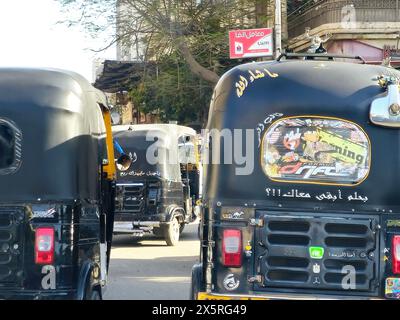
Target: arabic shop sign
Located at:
point(250, 43)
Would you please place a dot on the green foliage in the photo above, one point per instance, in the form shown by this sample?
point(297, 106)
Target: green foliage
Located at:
point(175, 93)
point(166, 29)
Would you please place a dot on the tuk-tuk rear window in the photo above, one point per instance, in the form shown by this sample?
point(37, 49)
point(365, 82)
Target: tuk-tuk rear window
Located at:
point(316, 150)
point(187, 153)
point(10, 147)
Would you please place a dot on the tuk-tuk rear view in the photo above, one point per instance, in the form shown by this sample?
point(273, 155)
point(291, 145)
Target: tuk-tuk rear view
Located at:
point(57, 177)
point(158, 192)
point(312, 209)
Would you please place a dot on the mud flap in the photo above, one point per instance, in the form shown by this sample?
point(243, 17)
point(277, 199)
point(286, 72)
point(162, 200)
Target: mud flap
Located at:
point(103, 263)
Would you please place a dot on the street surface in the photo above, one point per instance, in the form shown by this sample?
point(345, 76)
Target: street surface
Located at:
point(147, 269)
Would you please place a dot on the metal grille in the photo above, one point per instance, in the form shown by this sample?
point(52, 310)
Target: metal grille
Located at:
point(11, 245)
point(347, 245)
point(132, 198)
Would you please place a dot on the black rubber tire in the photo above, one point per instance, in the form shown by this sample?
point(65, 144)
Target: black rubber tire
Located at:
point(92, 294)
point(195, 286)
point(181, 228)
point(171, 233)
point(158, 232)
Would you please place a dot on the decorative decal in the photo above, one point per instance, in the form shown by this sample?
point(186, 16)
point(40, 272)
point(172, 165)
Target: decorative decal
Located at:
point(140, 174)
point(293, 193)
point(291, 140)
point(345, 254)
point(325, 196)
point(316, 252)
point(233, 215)
point(133, 156)
point(267, 121)
point(393, 223)
point(316, 150)
point(392, 288)
point(253, 75)
point(231, 283)
point(236, 213)
point(356, 197)
point(44, 214)
point(317, 281)
point(316, 268)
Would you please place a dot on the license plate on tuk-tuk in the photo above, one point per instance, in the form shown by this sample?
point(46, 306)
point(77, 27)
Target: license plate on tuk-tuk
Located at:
point(123, 226)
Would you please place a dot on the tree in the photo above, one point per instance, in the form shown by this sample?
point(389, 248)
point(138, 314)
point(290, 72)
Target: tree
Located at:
point(187, 39)
point(170, 24)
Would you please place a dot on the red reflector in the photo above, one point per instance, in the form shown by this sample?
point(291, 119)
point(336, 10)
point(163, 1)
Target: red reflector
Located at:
point(44, 246)
point(396, 254)
point(232, 248)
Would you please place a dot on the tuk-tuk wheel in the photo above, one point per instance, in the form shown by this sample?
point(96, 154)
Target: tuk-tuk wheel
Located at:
point(158, 232)
point(196, 283)
point(172, 232)
point(92, 294)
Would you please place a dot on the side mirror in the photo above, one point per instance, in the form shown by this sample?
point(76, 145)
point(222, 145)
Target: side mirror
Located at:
point(385, 111)
point(124, 162)
point(115, 117)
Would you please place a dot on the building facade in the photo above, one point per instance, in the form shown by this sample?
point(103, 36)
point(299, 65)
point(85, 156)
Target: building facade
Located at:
point(130, 45)
point(368, 28)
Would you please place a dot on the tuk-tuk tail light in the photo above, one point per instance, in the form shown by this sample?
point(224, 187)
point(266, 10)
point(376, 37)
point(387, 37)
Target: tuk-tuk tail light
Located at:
point(44, 245)
point(232, 248)
point(396, 254)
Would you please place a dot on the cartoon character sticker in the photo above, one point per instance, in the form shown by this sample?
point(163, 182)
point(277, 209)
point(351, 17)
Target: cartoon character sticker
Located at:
point(316, 150)
point(292, 139)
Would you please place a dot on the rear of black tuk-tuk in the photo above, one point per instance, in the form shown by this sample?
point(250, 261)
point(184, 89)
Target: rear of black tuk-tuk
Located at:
point(158, 192)
point(57, 179)
point(314, 211)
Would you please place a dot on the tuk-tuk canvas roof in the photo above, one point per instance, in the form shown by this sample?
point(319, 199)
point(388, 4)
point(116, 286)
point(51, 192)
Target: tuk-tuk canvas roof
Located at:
point(138, 139)
point(61, 123)
point(256, 95)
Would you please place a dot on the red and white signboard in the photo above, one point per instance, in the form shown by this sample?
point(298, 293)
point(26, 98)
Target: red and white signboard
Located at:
point(251, 43)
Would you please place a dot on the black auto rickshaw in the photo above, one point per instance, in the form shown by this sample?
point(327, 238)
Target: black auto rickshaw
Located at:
point(57, 181)
point(156, 196)
point(319, 214)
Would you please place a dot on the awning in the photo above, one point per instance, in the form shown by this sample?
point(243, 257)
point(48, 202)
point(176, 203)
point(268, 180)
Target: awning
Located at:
point(118, 76)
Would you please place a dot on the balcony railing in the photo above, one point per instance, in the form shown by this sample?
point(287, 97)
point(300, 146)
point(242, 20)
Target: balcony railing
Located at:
point(315, 14)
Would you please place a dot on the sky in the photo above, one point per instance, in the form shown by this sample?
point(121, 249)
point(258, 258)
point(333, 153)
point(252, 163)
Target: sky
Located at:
point(30, 37)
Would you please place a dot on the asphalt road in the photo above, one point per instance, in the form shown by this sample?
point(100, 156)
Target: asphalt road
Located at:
point(147, 269)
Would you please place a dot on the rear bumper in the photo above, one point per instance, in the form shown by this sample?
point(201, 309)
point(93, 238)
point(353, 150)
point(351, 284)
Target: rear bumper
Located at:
point(129, 227)
point(216, 296)
point(136, 226)
point(38, 295)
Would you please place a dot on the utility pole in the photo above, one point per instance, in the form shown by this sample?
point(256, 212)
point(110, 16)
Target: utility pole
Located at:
point(278, 28)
